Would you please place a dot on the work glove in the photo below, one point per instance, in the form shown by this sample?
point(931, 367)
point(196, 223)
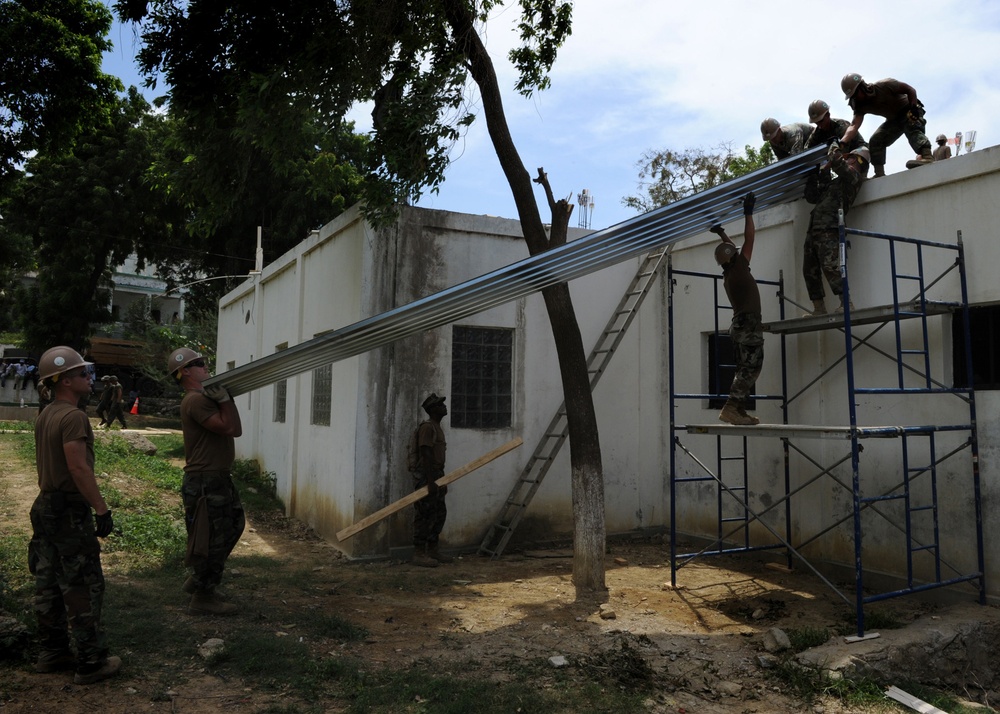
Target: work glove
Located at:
point(748, 204)
point(217, 393)
point(717, 229)
point(103, 525)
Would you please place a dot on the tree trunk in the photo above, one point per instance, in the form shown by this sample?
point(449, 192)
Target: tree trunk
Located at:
point(585, 450)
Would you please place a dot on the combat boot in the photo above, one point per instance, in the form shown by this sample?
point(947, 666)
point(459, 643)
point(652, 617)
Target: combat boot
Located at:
point(98, 671)
point(754, 421)
point(731, 415)
point(819, 308)
point(433, 552)
point(840, 308)
point(206, 602)
point(422, 558)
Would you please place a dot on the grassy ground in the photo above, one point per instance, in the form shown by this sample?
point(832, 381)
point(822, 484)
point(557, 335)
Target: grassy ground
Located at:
point(297, 647)
point(143, 565)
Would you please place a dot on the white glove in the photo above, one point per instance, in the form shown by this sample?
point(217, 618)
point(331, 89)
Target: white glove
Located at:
point(217, 393)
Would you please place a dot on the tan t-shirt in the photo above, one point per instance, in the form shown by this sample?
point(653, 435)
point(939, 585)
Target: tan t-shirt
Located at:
point(204, 450)
point(60, 423)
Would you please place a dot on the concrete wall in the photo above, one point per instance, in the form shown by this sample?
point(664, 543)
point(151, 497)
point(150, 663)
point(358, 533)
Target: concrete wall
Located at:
point(333, 476)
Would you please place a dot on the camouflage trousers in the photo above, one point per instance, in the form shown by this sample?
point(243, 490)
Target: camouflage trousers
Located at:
point(891, 129)
point(822, 258)
point(748, 343)
point(822, 248)
point(226, 521)
point(430, 513)
point(116, 411)
point(65, 558)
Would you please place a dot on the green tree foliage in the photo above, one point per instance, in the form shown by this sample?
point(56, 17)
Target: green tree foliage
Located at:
point(231, 186)
point(51, 84)
point(86, 211)
point(243, 60)
point(252, 142)
point(666, 176)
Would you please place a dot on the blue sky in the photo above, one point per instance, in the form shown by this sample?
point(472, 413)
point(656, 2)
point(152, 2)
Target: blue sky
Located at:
point(640, 75)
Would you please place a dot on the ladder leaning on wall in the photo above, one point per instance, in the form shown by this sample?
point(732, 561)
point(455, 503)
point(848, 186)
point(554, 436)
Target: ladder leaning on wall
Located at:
point(555, 435)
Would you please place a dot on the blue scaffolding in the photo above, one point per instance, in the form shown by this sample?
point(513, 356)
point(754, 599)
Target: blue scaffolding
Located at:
point(910, 504)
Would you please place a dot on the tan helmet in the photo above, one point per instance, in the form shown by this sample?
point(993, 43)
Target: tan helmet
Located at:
point(769, 128)
point(724, 252)
point(180, 358)
point(57, 360)
point(940, 138)
point(817, 110)
point(850, 84)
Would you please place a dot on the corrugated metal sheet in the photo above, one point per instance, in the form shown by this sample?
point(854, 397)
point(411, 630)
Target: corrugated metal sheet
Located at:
point(779, 183)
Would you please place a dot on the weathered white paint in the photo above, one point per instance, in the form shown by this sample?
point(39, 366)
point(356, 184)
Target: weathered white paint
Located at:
point(332, 476)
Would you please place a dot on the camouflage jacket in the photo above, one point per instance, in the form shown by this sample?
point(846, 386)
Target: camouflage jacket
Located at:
point(793, 140)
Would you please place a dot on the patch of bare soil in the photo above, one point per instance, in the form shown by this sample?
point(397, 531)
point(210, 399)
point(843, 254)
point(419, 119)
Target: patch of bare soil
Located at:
point(703, 640)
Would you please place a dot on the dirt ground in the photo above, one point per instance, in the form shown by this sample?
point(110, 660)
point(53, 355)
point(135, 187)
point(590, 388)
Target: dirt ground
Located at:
point(704, 638)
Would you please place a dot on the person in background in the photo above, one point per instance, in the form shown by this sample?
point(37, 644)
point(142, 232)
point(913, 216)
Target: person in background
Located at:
point(116, 403)
point(943, 151)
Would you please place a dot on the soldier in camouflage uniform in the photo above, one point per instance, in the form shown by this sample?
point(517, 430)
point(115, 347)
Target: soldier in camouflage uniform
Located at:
point(822, 248)
point(64, 554)
point(829, 129)
point(786, 140)
point(746, 331)
point(213, 512)
point(897, 102)
point(430, 512)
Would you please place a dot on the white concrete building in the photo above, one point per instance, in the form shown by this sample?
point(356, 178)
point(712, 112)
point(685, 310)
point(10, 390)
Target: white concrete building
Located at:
point(132, 284)
point(336, 437)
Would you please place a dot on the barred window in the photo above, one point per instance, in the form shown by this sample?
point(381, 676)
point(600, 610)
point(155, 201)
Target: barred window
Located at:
point(280, 392)
point(984, 334)
point(322, 390)
point(481, 377)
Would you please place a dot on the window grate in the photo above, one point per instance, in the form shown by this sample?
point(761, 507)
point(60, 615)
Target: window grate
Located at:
point(481, 377)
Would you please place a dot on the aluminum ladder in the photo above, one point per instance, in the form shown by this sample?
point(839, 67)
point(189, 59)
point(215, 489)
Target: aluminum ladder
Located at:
point(555, 435)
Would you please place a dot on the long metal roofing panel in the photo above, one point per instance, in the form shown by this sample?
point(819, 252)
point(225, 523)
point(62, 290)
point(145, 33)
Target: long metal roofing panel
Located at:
point(778, 183)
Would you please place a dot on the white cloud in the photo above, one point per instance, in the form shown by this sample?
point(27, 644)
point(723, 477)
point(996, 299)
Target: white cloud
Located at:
point(647, 74)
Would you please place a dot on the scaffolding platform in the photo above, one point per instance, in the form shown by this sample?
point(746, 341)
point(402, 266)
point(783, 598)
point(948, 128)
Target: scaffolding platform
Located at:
point(809, 431)
point(860, 316)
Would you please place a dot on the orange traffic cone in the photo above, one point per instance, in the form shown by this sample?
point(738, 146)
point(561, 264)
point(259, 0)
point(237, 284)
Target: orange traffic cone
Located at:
point(135, 406)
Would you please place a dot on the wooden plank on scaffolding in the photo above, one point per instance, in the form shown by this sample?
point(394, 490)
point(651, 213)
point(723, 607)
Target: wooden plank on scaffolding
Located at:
point(420, 493)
